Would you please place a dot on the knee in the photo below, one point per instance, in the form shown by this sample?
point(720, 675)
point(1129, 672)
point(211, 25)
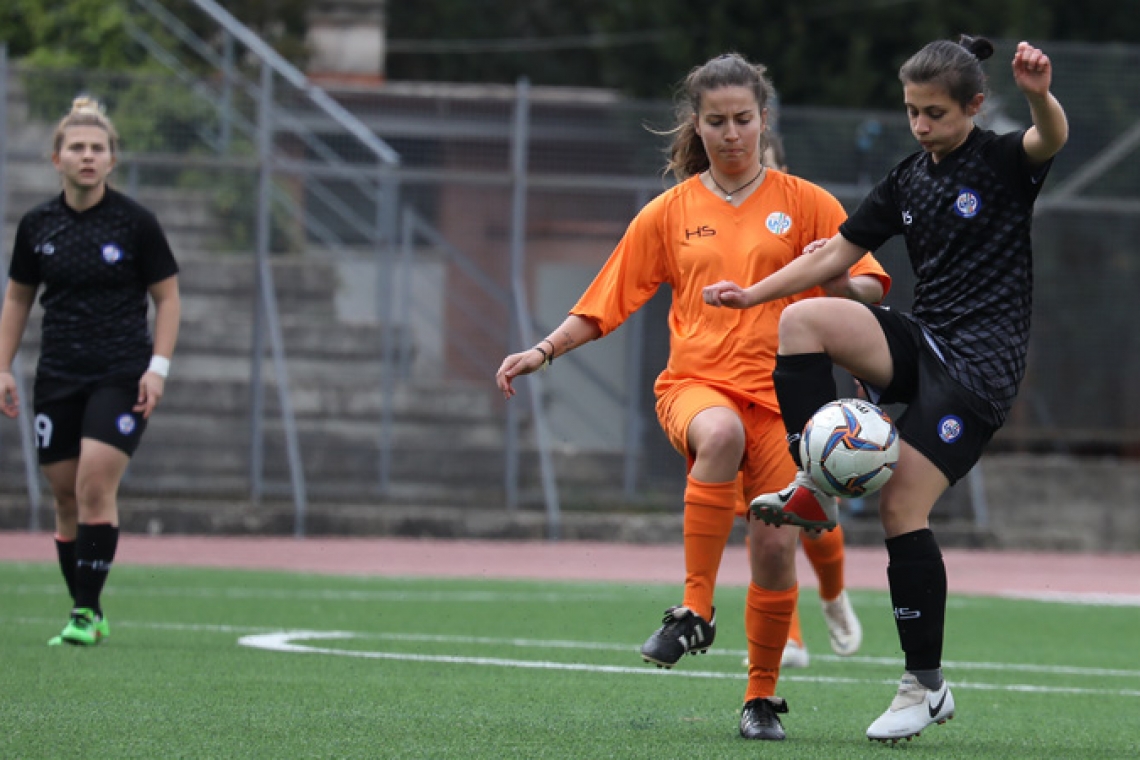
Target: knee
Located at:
point(66, 505)
point(722, 444)
point(93, 495)
point(799, 326)
point(773, 552)
point(899, 518)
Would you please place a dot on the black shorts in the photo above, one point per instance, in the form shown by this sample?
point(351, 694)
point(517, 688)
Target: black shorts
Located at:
point(947, 423)
point(102, 411)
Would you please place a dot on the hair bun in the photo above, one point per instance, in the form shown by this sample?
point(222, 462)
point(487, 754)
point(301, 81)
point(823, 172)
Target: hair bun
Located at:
point(979, 46)
point(86, 103)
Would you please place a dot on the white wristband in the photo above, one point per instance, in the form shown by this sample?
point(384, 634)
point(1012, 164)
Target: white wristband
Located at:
point(159, 365)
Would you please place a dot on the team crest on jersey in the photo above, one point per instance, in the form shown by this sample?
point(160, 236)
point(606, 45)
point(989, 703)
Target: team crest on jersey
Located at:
point(112, 254)
point(967, 204)
point(47, 249)
point(950, 428)
point(778, 223)
point(126, 424)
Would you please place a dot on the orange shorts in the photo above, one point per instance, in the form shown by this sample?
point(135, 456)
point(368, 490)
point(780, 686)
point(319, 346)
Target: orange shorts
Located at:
point(767, 466)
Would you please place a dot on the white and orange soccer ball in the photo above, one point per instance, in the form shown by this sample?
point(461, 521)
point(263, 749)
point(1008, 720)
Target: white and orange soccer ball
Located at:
point(849, 448)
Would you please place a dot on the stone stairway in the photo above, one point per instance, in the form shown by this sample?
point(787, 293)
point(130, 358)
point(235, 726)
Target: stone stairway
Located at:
point(447, 437)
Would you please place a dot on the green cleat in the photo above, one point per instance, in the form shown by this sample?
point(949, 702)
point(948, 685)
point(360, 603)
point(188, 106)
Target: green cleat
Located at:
point(102, 627)
point(85, 628)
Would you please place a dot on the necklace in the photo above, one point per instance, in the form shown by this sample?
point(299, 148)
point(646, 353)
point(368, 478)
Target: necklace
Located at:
point(729, 193)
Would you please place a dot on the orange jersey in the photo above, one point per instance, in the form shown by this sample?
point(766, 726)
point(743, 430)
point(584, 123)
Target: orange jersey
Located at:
point(688, 237)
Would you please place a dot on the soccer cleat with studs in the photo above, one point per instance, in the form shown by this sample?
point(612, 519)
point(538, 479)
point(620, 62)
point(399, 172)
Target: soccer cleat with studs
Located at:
point(759, 719)
point(801, 504)
point(683, 632)
point(913, 709)
point(84, 628)
point(795, 655)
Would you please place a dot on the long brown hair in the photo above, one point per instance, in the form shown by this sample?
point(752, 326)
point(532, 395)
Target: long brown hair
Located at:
point(686, 153)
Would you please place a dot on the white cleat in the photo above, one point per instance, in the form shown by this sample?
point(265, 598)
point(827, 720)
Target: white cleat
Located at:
point(843, 625)
point(914, 708)
point(795, 656)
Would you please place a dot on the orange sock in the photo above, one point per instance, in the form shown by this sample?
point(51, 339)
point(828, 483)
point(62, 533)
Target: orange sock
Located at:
point(710, 509)
point(827, 557)
point(794, 632)
point(767, 617)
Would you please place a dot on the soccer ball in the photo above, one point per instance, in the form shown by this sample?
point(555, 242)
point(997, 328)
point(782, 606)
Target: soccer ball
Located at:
point(849, 448)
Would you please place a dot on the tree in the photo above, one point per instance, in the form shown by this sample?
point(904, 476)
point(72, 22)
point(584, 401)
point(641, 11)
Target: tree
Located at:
point(820, 52)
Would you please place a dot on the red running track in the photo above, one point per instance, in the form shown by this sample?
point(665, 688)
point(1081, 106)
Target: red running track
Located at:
point(1116, 576)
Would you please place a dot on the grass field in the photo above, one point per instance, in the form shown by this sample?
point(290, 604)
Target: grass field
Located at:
point(217, 664)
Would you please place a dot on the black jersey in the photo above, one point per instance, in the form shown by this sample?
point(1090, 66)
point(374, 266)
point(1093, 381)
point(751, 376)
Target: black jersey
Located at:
point(95, 266)
point(966, 221)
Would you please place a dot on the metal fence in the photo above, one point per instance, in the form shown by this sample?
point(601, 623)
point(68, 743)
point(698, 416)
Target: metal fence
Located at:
point(495, 209)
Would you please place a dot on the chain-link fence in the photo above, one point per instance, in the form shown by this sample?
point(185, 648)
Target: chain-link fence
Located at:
point(396, 283)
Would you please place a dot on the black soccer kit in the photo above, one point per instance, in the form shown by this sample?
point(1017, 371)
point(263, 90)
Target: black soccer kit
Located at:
point(95, 267)
point(959, 356)
point(966, 221)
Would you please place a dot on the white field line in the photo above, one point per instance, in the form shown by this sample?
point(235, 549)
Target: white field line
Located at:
point(582, 646)
point(1103, 600)
point(287, 642)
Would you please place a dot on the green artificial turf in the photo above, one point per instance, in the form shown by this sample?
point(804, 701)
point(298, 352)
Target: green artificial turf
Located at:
point(412, 668)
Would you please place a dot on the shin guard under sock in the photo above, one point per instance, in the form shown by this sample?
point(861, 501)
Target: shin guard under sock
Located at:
point(767, 619)
point(795, 631)
point(95, 547)
point(917, 577)
point(65, 550)
point(804, 383)
point(827, 557)
point(710, 510)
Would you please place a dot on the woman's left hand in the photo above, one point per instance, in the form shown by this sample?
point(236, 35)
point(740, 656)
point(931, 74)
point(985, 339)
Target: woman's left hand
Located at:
point(1032, 70)
point(151, 386)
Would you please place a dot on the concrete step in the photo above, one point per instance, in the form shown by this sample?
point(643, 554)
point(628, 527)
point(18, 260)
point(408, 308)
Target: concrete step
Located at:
point(236, 274)
point(212, 327)
point(187, 215)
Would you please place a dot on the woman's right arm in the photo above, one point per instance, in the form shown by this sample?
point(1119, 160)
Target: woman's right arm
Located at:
point(573, 332)
point(18, 302)
point(800, 274)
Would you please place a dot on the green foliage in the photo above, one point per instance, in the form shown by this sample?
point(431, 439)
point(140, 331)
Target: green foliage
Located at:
point(89, 34)
point(820, 52)
point(94, 34)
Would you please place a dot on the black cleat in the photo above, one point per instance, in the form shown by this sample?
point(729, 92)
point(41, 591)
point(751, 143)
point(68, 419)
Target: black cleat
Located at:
point(684, 631)
point(758, 719)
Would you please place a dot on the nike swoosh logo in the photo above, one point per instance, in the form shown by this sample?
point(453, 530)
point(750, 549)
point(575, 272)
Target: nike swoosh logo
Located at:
point(935, 709)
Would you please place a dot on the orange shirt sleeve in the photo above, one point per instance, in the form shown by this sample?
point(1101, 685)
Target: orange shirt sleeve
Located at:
point(831, 215)
point(632, 274)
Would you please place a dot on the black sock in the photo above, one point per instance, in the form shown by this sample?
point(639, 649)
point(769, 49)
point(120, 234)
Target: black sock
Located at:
point(65, 550)
point(917, 577)
point(804, 383)
point(94, 553)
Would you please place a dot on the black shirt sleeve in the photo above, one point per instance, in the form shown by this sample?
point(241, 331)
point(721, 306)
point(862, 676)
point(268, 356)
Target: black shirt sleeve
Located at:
point(157, 262)
point(1006, 155)
point(25, 265)
point(877, 219)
